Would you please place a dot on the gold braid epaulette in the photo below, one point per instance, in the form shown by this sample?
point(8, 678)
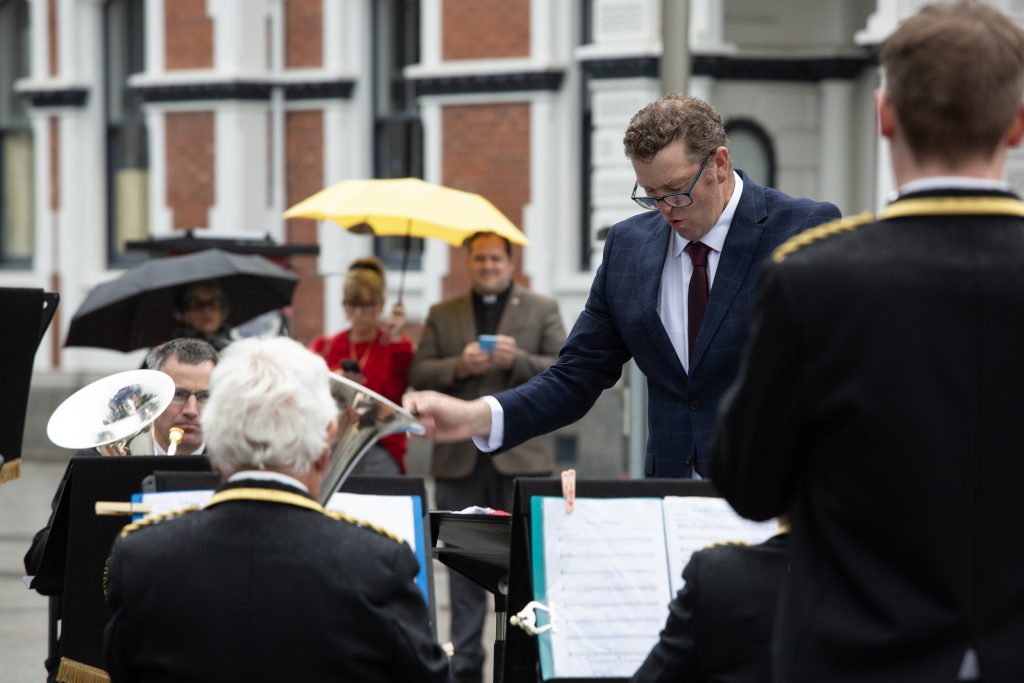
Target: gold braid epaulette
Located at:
point(724, 544)
point(903, 208)
point(70, 671)
point(151, 519)
point(341, 516)
point(823, 231)
point(10, 471)
point(298, 500)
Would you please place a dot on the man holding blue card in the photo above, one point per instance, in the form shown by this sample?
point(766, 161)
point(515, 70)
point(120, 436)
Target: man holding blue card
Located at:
point(496, 336)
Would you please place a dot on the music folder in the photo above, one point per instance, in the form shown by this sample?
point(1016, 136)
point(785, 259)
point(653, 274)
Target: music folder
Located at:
point(475, 545)
point(605, 572)
point(79, 543)
point(27, 314)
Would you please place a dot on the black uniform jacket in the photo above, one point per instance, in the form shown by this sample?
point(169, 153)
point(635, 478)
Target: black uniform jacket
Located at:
point(880, 402)
point(250, 590)
point(720, 624)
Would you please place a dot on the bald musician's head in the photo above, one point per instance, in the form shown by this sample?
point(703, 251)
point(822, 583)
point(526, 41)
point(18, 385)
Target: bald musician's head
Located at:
point(270, 408)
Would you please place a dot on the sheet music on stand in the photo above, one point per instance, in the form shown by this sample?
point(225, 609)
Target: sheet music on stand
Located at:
point(607, 571)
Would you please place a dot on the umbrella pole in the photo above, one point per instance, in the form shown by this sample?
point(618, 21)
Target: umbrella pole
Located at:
point(405, 261)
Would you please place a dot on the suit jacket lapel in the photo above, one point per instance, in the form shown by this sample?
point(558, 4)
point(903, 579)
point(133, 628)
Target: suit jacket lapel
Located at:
point(465, 320)
point(650, 264)
point(511, 317)
point(737, 254)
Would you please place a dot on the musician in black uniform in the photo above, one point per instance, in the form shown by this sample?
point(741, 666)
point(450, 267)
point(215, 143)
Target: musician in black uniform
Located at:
point(720, 624)
point(879, 398)
point(264, 584)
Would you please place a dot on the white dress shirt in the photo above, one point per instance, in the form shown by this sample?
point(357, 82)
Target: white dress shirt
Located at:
point(675, 276)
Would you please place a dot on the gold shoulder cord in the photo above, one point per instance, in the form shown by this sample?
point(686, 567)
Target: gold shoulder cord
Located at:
point(341, 516)
point(723, 544)
point(807, 237)
point(925, 206)
point(150, 520)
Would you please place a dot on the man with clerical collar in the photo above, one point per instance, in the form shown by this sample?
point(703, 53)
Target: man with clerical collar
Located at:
point(263, 583)
point(494, 337)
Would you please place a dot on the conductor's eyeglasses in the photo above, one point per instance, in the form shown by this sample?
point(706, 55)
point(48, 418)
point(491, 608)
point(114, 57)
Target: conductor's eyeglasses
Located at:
point(181, 397)
point(676, 199)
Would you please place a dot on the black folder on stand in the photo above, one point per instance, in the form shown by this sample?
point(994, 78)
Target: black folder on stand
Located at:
point(79, 543)
point(27, 314)
point(477, 546)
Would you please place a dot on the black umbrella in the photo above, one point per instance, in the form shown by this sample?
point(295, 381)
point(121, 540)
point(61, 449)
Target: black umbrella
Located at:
point(137, 309)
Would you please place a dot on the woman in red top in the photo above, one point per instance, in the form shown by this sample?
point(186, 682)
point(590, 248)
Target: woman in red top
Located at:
point(368, 353)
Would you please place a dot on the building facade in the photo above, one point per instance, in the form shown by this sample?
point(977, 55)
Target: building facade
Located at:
point(122, 119)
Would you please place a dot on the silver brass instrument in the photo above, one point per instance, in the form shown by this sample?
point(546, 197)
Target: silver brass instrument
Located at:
point(108, 413)
point(364, 417)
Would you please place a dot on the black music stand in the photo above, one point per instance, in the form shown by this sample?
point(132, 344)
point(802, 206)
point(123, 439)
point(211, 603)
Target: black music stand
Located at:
point(27, 314)
point(477, 546)
point(76, 551)
point(522, 658)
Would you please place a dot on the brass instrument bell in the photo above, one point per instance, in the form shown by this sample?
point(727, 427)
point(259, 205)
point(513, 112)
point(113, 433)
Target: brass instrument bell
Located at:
point(108, 413)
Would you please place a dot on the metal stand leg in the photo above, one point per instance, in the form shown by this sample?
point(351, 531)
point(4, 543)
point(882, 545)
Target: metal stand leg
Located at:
point(500, 623)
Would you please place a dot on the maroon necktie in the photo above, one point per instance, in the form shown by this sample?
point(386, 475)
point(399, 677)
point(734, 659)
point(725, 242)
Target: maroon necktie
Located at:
point(697, 299)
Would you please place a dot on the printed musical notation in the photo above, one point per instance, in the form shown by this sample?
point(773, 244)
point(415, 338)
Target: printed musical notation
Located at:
point(608, 570)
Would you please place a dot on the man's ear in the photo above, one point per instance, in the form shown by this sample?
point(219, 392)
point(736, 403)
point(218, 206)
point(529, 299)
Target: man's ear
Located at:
point(324, 461)
point(885, 114)
point(1016, 130)
point(722, 163)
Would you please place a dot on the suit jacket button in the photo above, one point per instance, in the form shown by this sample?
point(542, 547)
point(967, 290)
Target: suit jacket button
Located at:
point(694, 405)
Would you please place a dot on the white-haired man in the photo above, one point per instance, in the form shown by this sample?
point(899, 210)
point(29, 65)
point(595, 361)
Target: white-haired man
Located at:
point(263, 583)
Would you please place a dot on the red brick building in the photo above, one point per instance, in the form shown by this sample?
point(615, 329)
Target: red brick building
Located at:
point(122, 119)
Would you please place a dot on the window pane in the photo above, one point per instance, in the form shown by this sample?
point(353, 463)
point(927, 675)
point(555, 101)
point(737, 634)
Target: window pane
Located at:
point(398, 134)
point(16, 198)
point(17, 219)
point(127, 143)
point(130, 174)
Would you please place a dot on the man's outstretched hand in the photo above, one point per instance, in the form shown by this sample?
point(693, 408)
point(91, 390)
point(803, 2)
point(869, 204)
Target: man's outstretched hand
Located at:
point(447, 418)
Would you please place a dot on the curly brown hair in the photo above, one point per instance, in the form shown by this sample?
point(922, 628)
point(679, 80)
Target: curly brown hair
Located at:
point(673, 117)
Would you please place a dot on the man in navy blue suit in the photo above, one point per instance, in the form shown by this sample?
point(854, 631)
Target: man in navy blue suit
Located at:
point(673, 292)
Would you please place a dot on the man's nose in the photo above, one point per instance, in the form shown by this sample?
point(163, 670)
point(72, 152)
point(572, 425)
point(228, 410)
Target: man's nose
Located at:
point(191, 405)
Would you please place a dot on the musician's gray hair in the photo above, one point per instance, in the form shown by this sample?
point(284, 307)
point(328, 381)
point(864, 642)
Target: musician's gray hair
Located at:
point(270, 404)
point(185, 349)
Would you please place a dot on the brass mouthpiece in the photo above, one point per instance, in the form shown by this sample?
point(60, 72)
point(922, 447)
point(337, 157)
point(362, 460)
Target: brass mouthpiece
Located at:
point(174, 435)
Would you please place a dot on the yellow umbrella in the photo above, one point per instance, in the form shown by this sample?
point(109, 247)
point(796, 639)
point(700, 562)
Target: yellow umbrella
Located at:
point(407, 207)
